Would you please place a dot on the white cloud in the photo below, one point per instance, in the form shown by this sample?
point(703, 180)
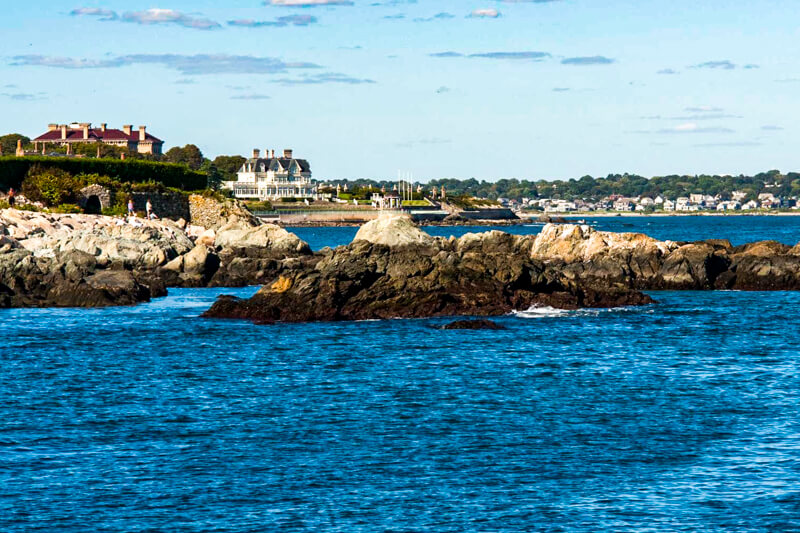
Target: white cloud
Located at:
point(102, 14)
point(485, 13)
point(308, 3)
point(169, 16)
point(188, 65)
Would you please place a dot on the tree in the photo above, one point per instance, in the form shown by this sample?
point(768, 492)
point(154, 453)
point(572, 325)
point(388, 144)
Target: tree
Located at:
point(90, 150)
point(51, 186)
point(190, 155)
point(215, 177)
point(229, 165)
point(9, 142)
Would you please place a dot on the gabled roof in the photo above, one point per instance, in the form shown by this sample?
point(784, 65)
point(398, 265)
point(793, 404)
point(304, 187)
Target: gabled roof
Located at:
point(282, 161)
point(96, 135)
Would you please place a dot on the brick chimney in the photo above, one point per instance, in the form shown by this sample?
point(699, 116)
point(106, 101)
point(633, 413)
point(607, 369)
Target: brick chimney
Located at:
point(287, 153)
point(103, 127)
point(63, 132)
point(142, 133)
point(52, 127)
point(20, 151)
point(85, 128)
point(127, 128)
point(256, 153)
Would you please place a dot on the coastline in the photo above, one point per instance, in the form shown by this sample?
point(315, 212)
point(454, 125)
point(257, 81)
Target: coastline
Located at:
point(524, 219)
point(590, 214)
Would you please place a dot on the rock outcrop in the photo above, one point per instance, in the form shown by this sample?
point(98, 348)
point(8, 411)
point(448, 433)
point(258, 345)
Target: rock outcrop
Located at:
point(636, 261)
point(392, 269)
point(393, 230)
point(211, 213)
point(89, 261)
point(394, 272)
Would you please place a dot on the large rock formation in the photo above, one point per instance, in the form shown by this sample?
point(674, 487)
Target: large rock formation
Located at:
point(393, 230)
point(393, 269)
point(89, 261)
point(390, 271)
point(628, 260)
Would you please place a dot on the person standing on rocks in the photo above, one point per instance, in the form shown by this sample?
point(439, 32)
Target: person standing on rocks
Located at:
point(131, 212)
point(11, 197)
point(149, 209)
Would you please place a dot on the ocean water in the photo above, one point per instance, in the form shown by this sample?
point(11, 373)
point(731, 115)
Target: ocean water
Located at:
point(682, 416)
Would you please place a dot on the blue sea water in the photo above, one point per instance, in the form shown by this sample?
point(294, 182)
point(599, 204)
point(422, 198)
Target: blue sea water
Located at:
point(682, 416)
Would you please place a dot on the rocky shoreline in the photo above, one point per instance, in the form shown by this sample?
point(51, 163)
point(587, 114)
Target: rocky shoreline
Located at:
point(391, 269)
point(52, 260)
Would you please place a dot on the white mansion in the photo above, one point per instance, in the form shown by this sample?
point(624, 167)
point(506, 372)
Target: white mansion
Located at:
point(272, 178)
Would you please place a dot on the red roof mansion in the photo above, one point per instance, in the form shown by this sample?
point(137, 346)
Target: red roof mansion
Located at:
point(68, 134)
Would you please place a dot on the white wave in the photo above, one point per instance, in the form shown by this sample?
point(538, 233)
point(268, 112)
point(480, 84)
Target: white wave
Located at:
point(546, 311)
point(542, 312)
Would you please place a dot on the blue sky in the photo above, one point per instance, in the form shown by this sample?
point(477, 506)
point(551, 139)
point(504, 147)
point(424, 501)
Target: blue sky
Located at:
point(452, 88)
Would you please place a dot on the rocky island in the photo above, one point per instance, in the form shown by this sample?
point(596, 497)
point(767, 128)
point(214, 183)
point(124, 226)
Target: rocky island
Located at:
point(394, 269)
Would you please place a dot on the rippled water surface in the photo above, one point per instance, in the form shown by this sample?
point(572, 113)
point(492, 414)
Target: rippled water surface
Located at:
point(681, 416)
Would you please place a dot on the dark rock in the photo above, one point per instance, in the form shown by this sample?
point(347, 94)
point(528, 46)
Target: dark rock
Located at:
point(547, 219)
point(477, 275)
point(69, 280)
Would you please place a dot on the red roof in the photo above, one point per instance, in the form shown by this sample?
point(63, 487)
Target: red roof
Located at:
point(96, 134)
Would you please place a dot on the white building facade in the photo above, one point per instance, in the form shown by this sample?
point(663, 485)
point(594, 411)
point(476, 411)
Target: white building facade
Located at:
point(273, 177)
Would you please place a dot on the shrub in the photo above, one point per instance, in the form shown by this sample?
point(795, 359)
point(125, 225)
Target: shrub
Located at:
point(51, 186)
point(67, 208)
point(260, 206)
point(216, 195)
point(14, 169)
point(98, 179)
point(148, 186)
point(116, 210)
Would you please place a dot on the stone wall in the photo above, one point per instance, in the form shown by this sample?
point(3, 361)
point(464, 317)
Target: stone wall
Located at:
point(168, 204)
point(102, 193)
point(212, 214)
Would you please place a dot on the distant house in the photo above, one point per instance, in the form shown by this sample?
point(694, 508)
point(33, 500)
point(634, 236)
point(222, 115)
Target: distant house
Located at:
point(738, 195)
point(696, 198)
point(669, 205)
point(682, 204)
point(752, 204)
point(646, 200)
point(273, 177)
point(623, 204)
point(386, 200)
point(80, 133)
point(730, 205)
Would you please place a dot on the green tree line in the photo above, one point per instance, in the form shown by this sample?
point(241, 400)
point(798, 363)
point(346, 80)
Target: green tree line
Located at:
point(590, 188)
